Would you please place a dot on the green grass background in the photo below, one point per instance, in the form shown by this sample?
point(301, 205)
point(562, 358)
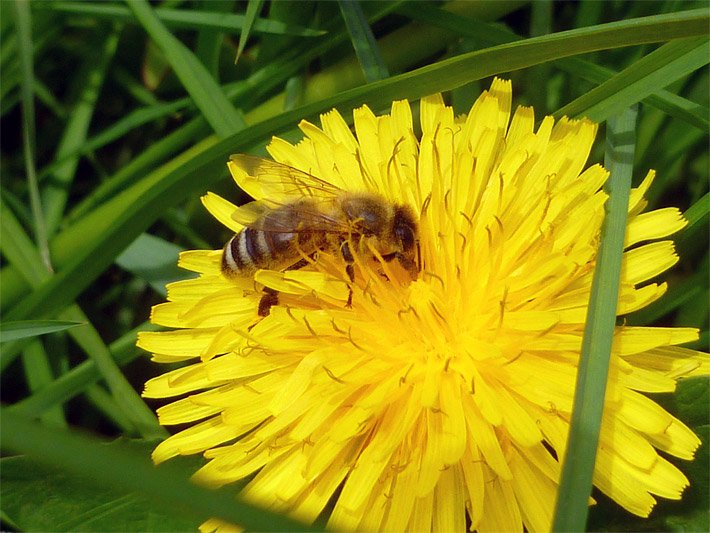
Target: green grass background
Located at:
point(115, 117)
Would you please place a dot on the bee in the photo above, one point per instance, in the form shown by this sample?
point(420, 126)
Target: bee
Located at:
point(321, 217)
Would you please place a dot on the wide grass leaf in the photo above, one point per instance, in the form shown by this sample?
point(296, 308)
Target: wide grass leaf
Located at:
point(40, 498)
point(153, 260)
point(176, 18)
point(22, 329)
point(128, 471)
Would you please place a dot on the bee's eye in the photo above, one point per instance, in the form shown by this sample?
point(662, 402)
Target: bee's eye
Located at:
point(405, 235)
point(404, 229)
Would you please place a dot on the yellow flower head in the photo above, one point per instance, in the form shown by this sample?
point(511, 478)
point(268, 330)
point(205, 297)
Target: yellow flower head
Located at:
point(443, 401)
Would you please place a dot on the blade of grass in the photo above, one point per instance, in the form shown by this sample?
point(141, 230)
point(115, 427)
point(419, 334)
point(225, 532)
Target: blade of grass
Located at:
point(191, 19)
point(38, 373)
point(260, 82)
point(677, 296)
point(19, 251)
point(489, 34)
point(125, 396)
point(578, 464)
point(210, 40)
point(154, 260)
point(23, 23)
point(539, 76)
point(118, 129)
point(106, 404)
point(79, 378)
point(138, 89)
point(90, 80)
point(658, 69)
point(11, 331)
point(253, 9)
point(45, 96)
point(366, 49)
point(108, 230)
point(697, 217)
point(121, 467)
point(205, 92)
point(146, 161)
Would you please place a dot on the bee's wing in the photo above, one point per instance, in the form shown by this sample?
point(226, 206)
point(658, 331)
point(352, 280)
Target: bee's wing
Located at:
point(247, 214)
point(308, 220)
point(267, 180)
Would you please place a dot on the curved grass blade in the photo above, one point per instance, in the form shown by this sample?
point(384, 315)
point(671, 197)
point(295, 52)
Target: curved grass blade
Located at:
point(253, 9)
point(672, 104)
point(697, 217)
point(203, 89)
point(366, 49)
point(23, 329)
point(177, 18)
point(90, 80)
point(123, 468)
point(578, 464)
point(79, 378)
point(23, 23)
point(658, 69)
point(18, 249)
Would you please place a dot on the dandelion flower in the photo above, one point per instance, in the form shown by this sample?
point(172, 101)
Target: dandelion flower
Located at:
point(443, 402)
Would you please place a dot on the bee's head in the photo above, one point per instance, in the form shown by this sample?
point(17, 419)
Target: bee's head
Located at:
point(405, 231)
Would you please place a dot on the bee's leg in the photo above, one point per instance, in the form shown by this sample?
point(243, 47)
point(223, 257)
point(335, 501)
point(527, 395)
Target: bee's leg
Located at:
point(271, 296)
point(349, 269)
point(413, 267)
point(268, 300)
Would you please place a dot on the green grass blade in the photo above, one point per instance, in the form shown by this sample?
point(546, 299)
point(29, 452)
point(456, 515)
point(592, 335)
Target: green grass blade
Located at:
point(261, 82)
point(121, 467)
point(146, 161)
point(678, 295)
point(210, 40)
point(106, 404)
point(90, 81)
point(673, 105)
point(125, 396)
point(578, 464)
point(660, 68)
point(38, 374)
point(253, 10)
point(19, 251)
point(366, 49)
point(697, 217)
point(80, 378)
point(153, 260)
point(205, 92)
point(22, 329)
point(118, 129)
point(676, 106)
point(175, 18)
point(45, 96)
point(23, 24)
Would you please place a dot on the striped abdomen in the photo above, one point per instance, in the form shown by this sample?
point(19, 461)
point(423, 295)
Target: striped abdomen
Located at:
point(275, 241)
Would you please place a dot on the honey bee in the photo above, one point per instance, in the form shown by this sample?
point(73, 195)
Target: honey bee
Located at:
point(321, 217)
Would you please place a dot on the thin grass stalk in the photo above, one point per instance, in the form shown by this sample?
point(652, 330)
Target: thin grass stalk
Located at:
point(578, 463)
